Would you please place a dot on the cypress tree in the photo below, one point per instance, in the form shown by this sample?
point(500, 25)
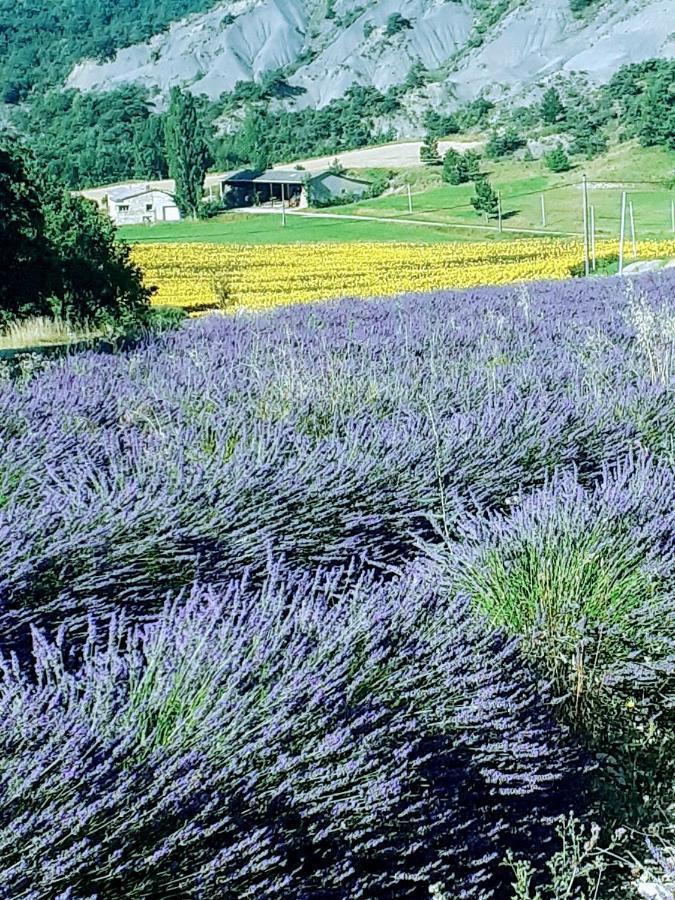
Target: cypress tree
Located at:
point(186, 151)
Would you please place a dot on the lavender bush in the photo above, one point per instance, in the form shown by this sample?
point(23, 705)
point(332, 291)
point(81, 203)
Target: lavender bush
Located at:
point(319, 737)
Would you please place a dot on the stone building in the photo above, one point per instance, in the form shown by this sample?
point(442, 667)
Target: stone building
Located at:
point(140, 205)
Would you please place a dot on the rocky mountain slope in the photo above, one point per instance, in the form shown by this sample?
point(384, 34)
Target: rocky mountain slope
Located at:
point(502, 47)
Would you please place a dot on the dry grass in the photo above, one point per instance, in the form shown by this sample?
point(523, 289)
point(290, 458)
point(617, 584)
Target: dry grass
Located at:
point(42, 331)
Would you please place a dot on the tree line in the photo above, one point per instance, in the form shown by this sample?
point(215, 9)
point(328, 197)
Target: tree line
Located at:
point(98, 138)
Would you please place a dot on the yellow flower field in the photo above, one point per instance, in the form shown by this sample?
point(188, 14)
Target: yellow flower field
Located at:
point(203, 276)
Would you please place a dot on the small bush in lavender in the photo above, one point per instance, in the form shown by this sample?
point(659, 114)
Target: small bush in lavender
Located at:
point(308, 739)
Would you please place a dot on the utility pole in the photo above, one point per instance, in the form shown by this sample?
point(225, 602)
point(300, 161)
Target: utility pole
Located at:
point(543, 212)
point(283, 206)
point(593, 259)
point(499, 210)
point(587, 265)
point(672, 215)
point(623, 231)
point(410, 209)
point(632, 229)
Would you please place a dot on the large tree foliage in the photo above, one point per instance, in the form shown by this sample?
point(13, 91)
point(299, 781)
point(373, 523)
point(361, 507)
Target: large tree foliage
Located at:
point(60, 255)
point(99, 138)
point(186, 151)
point(22, 239)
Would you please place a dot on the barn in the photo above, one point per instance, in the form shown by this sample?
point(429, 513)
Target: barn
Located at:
point(296, 187)
point(139, 205)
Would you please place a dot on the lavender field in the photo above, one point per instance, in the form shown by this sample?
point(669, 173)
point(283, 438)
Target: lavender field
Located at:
point(354, 600)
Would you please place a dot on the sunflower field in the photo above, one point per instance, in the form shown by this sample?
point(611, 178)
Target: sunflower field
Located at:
point(205, 276)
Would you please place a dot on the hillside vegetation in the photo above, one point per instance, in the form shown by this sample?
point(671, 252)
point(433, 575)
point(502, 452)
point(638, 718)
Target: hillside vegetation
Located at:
point(41, 41)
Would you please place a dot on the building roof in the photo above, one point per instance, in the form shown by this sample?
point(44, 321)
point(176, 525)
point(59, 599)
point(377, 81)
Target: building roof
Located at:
point(327, 172)
point(129, 191)
point(271, 176)
point(283, 176)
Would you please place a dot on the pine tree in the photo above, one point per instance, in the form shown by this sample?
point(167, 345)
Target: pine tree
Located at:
point(455, 169)
point(472, 163)
point(429, 151)
point(485, 199)
point(551, 107)
point(557, 160)
point(186, 151)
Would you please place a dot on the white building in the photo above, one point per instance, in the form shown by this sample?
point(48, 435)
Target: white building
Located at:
point(136, 204)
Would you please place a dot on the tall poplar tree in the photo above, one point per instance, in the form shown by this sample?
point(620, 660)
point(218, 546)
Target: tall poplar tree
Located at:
point(186, 151)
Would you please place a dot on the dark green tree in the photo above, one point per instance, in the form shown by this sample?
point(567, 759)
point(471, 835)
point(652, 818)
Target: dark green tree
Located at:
point(429, 151)
point(25, 266)
point(656, 124)
point(504, 143)
point(472, 162)
point(485, 199)
point(455, 169)
point(551, 109)
point(60, 255)
point(557, 160)
point(438, 125)
point(149, 150)
point(94, 278)
point(186, 151)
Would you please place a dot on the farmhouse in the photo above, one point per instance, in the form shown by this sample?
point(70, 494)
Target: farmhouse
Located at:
point(140, 205)
point(296, 187)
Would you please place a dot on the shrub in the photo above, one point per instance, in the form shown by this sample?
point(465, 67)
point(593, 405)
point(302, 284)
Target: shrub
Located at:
point(557, 160)
point(500, 145)
point(395, 24)
point(305, 738)
point(583, 576)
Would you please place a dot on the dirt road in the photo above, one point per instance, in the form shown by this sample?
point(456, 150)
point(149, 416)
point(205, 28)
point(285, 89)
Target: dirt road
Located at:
point(400, 155)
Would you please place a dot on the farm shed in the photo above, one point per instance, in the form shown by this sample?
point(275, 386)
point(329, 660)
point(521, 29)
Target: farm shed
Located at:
point(296, 186)
point(136, 205)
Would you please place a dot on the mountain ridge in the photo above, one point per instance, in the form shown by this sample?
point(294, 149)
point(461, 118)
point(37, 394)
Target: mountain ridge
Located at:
point(531, 43)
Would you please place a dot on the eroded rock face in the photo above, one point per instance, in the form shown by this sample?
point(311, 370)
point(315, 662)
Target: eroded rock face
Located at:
point(245, 39)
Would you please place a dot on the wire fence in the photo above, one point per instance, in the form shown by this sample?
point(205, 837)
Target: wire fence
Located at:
point(555, 210)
